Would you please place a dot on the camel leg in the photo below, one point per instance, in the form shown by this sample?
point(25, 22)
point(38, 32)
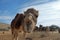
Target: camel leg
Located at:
point(15, 35)
point(26, 35)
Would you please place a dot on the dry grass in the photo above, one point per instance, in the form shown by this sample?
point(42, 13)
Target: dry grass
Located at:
point(3, 25)
point(6, 35)
point(35, 36)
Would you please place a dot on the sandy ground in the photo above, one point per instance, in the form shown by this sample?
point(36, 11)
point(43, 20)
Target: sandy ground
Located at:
point(34, 36)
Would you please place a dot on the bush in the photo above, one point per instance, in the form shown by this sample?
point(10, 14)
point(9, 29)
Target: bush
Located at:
point(59, 30)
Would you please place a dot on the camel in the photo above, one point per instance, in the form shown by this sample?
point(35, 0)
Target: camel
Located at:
point(24, 22)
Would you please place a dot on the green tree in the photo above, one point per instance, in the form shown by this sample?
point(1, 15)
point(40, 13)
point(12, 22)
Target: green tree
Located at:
point(54, 27)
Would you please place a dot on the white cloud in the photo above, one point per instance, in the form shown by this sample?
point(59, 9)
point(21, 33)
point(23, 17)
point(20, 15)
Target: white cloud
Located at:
point(52, 14)
point(31, 3)
point(49, 13)
point(6, 17)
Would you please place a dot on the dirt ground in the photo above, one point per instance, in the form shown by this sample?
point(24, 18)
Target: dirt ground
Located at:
point(34, 36)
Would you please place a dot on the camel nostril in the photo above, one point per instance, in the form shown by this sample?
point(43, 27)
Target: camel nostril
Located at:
point(29, 22)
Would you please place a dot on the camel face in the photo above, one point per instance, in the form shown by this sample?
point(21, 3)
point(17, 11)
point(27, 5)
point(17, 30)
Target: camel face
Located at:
point(30, 19)
point(28, 22)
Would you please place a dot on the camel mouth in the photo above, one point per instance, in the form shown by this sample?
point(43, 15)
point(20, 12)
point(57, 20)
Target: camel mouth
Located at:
point(27, 20)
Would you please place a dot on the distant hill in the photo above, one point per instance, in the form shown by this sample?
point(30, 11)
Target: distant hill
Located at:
point(4, 27)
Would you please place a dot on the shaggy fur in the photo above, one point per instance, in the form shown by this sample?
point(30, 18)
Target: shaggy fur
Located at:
point(24, 22)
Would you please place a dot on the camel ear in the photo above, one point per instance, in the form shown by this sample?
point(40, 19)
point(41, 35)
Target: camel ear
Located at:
point(36, 14)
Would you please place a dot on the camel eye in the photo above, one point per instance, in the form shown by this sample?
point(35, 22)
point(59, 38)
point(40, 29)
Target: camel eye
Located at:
point(36, 16)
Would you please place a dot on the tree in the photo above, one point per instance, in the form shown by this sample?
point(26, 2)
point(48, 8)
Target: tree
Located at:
point(54, 27)
point(36, 28)
point(40, 27)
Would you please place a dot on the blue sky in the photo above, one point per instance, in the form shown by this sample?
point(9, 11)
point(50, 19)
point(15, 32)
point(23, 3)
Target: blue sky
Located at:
point(49, 10)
